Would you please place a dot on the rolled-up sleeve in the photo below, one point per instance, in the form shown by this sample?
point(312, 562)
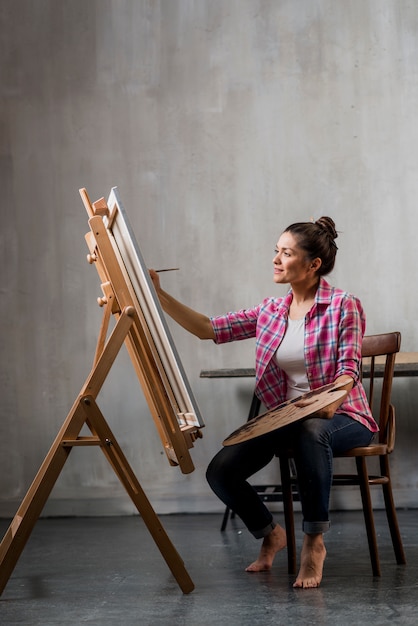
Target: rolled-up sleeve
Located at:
point(235, 326)
point(352, 329)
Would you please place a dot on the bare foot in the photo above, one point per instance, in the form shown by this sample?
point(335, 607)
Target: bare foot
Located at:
point(272, 543)
point(312, 562)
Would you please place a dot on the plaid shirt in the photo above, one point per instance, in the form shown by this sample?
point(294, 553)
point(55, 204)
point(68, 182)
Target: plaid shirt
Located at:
point(334, 329)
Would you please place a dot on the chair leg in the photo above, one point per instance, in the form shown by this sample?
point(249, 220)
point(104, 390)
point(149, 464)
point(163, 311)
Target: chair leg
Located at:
point(368, 514)
point(391, 513)
point(225, 518)
point(288, 513)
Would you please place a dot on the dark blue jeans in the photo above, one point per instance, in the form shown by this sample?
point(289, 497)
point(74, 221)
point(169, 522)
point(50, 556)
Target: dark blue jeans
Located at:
point(314, 442)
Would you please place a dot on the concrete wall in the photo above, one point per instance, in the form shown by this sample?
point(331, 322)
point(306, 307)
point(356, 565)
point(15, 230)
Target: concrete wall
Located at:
point(221, 122)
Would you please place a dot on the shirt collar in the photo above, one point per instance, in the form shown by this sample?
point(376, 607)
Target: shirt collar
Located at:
point(322, 296)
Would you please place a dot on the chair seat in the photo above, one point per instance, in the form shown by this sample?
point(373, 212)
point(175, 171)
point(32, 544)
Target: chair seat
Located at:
point(374, 449)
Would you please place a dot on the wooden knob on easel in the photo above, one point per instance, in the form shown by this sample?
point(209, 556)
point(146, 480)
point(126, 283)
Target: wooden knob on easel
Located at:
point(101, 301)
point(91, 258)
point(100, 207)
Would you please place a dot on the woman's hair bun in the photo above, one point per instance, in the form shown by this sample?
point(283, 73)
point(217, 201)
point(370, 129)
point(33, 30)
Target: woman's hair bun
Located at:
point(328, 224)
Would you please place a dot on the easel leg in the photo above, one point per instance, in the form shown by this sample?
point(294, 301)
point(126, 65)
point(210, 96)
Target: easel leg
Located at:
point(86, 411)
point(31, 507)
point(99, 427)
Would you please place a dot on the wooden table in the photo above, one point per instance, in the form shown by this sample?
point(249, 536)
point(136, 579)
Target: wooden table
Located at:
point(406, 365)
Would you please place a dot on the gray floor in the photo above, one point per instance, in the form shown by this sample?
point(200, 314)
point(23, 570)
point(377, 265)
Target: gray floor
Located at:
point(109, 571)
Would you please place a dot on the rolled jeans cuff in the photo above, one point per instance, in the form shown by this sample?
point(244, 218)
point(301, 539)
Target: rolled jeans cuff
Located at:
point(259, 534)
point(315, 528)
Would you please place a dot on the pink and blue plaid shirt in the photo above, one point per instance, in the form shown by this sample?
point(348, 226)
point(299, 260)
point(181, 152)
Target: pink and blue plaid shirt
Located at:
point(334, 329)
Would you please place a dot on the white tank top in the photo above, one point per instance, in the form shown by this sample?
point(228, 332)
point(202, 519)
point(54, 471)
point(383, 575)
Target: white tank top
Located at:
point(290, 358)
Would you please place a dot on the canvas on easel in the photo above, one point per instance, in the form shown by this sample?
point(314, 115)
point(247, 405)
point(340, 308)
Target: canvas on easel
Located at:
point(129, 299)
point(166, 355)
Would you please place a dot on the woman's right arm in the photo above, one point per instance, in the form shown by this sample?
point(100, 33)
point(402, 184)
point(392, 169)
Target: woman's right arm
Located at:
point(196, 323)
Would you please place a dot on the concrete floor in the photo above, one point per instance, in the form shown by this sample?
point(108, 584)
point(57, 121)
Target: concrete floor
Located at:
point(108, 571)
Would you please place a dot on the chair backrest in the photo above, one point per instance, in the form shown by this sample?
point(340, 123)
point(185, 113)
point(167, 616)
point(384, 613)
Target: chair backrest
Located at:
point(385, 345)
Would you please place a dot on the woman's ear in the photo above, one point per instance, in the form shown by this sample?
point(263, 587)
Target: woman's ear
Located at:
point(316, 264)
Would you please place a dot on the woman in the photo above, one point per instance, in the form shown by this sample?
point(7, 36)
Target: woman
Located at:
point(307, 339)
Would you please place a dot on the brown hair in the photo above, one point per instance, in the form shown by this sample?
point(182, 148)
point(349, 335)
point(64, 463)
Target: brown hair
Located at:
point(318, 241)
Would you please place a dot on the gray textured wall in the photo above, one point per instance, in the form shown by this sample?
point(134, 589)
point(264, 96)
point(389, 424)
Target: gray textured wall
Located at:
point(221, 121)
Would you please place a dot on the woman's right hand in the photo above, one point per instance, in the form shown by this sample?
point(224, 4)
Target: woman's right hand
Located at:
point(155, 279)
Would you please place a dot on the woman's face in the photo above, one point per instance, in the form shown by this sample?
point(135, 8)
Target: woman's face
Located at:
point(290, 262)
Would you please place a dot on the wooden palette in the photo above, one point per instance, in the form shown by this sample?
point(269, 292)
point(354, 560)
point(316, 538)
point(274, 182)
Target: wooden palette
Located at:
point(288, 412)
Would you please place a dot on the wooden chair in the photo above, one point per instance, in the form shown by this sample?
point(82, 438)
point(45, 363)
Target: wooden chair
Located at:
point(386, 346)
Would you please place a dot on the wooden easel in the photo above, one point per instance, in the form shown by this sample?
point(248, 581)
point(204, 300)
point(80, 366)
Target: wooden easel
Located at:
point(118, 300)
